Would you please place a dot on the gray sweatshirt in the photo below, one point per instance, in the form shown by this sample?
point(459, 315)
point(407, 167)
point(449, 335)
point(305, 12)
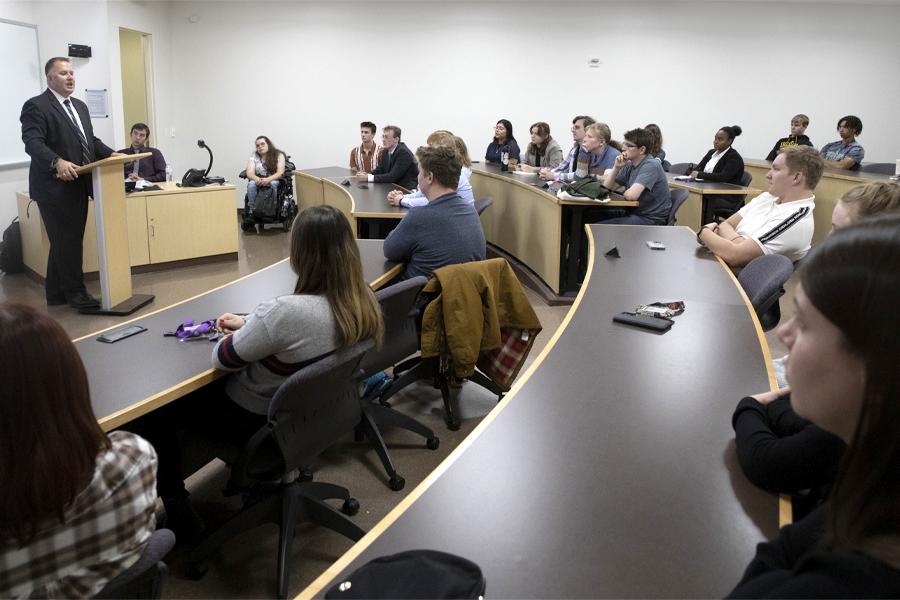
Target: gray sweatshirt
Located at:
point(277, 340)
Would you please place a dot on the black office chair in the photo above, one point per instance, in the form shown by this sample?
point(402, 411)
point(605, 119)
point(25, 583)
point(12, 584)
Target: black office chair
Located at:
point(145, 578)
point(482, 204)
point(312, 409)
point(883, 168)
point(763, 280)
point(723, 207)
point(678, 197)
point(401, 340)
point(681, 168)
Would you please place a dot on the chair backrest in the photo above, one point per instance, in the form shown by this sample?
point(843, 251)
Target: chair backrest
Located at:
point(746, 178)
point(883, 168)
point(143, 579)
point(680, 168)
point(401, 339)
point(763, 279)
point(309, 412)
point(678, 197)
point(481, 204)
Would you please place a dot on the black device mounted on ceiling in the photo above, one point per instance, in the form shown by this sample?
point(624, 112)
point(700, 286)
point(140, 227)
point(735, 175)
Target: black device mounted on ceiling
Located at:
point(79, 51)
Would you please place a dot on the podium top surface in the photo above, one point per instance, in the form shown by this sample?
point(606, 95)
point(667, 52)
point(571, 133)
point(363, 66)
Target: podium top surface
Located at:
point(111, 161)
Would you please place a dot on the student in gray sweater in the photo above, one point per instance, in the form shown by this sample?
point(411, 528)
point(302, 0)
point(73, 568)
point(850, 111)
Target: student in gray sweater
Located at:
point(445, 231)
point(332, 306)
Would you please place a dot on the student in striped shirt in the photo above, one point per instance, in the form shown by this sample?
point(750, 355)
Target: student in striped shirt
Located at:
point(779, 221)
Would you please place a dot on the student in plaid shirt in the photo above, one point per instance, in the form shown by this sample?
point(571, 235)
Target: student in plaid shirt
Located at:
point(76, 507)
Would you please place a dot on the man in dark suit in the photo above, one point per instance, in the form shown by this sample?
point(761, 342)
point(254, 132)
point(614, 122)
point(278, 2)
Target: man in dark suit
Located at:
point(59, 137)
point(397, 163)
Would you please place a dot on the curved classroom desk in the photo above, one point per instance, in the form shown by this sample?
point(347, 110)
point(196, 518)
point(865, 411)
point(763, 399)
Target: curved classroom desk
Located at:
point(533, 226)
point(609, 469)
point(834, 184)
point(144, 372)
point(691, 212)
point(359, 204)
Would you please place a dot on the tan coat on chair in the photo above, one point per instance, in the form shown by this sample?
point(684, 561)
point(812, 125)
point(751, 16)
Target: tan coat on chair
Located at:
point(474, 302)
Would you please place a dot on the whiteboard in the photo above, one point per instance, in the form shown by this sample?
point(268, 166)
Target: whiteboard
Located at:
point(22, 79)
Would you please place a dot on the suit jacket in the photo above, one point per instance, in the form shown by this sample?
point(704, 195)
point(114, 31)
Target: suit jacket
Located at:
point(48, 133)
point(151, 169)
point(399, 167)
point(729, 169)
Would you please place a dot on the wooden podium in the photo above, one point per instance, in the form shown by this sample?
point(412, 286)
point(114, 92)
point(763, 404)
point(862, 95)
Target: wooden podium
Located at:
point(112, 236)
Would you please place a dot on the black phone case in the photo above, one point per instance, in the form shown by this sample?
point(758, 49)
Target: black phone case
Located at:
point(644, 322)
point(116, 336)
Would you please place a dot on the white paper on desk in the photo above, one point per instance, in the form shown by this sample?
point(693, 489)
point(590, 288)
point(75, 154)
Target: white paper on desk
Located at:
point(140, 184)
point(683, 178)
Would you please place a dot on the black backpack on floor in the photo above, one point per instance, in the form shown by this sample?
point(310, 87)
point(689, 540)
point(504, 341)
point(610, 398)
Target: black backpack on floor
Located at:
point(11, 249)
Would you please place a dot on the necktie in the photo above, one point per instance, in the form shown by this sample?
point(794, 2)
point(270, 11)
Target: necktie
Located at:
point(85, 150)
point(134, 169)
point(574, 164)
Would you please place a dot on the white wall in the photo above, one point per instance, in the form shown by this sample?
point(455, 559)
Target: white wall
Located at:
point(306, 73)
point(96, 24)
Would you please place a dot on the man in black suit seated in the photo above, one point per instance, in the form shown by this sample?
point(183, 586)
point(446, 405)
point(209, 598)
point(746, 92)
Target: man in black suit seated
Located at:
point(397, 163)
point(59, 137)
point(149, 169)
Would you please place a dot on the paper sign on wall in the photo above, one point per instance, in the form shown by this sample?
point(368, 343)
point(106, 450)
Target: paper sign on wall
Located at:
point(98, 103)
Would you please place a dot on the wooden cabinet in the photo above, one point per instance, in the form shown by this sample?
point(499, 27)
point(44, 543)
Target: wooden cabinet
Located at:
point(163, 226)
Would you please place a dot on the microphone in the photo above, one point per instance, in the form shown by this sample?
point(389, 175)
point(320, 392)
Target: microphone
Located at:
point(206, 178)
point(202, 144)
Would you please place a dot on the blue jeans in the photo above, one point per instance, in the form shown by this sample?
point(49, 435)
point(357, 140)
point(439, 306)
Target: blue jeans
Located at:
point(252, 190)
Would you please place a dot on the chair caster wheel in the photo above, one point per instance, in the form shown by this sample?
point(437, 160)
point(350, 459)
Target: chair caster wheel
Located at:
point(350, 507)
point(305, 475)
point(396, 483)
point(245, 226)
point(432, 443)
point(453, 425)
point(196, 571)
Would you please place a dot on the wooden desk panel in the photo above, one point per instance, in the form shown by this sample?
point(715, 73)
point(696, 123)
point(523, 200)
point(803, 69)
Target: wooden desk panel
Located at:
point(188, 223)
point(609, 470)
point(524, 221)
point(691, 211)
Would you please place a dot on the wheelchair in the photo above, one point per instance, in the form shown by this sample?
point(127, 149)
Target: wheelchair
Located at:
point(286, 205)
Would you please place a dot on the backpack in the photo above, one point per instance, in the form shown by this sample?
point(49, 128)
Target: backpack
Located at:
point(587, 187)
point(11, 249)
point(266, 206)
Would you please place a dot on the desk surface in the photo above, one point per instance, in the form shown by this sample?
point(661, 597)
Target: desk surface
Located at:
point(369, 201)
point(492, 169)
point(711, 187)
point(171, 187)
point(609, 470)
point(136, 375)
point(857, 176)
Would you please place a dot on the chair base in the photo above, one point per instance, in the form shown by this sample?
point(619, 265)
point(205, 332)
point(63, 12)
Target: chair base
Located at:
point(419, 368)
point(284, 505)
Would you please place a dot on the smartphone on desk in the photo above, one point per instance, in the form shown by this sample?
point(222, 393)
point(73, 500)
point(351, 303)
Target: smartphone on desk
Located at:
point(111, 337)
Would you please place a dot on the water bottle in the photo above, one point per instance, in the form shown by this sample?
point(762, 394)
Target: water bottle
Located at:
point(504, 159)
point(169, 172)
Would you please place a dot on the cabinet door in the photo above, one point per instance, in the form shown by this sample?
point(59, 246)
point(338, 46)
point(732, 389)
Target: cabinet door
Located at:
point(192, 224)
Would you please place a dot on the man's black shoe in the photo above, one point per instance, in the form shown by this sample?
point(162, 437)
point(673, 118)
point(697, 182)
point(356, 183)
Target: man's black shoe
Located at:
point(56, 300)
point(82, 301)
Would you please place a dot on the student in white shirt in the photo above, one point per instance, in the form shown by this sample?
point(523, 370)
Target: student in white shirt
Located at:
point(779, 221)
